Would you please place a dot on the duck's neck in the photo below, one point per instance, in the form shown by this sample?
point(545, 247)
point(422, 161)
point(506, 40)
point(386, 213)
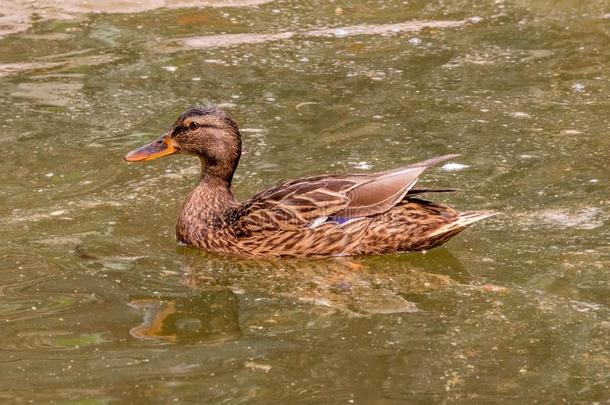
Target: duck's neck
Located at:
point(207, 208)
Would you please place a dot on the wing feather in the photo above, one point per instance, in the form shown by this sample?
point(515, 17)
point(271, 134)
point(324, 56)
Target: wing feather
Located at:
point(380, 194)
point(297, 204)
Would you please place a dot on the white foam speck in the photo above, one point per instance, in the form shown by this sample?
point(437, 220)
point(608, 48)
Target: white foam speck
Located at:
point(415, 41)
point(570, 132)
point(584, 218)
point(170, 69)
point(578, 87)
point(251, 130)
point(339, 33)
point(454, 167)
point(362, 165)
point(520, 114)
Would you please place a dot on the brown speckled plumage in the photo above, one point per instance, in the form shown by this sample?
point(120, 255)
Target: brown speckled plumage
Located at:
point(325, 215)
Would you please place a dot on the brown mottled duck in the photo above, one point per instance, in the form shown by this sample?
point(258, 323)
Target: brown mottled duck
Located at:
point(325, 215)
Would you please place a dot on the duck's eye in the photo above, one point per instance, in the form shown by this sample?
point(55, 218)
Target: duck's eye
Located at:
point(193, 125)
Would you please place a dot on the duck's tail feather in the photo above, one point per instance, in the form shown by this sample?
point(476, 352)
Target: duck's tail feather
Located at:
point(431, 190)
point(464, 220)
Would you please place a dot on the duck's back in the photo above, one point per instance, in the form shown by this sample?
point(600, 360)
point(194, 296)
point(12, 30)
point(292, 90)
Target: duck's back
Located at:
point(346, 215)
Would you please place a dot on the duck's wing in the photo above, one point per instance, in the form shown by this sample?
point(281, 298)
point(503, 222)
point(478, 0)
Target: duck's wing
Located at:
point(310, 201)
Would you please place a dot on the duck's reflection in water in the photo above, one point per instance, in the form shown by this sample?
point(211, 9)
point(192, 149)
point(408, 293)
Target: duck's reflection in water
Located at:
point(208, 311)
point(358, 285)
point(210, 315)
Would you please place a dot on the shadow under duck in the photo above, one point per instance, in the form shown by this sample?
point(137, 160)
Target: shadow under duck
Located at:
point(326, 215)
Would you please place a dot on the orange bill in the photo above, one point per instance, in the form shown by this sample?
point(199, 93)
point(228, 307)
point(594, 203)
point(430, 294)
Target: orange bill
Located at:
point(163, 146)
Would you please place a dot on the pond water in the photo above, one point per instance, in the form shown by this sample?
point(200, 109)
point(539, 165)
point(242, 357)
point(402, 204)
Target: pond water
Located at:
point(98, 303)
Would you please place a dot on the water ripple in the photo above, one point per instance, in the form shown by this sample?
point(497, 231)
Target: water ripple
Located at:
point(226, 40)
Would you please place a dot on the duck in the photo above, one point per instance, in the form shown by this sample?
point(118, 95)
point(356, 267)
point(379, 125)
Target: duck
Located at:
point(314, 216)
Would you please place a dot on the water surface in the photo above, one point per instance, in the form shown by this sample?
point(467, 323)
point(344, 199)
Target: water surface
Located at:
point(99, 304)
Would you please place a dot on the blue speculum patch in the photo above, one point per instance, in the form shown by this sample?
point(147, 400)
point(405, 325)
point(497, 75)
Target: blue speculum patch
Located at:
point(339, 220)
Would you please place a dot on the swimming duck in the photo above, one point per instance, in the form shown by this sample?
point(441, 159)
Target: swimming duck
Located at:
point(325, 215)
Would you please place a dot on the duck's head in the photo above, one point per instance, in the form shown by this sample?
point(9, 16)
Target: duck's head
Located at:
point(206, 132)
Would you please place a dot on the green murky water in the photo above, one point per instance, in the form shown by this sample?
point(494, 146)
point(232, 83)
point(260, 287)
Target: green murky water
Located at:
point(99, 304)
